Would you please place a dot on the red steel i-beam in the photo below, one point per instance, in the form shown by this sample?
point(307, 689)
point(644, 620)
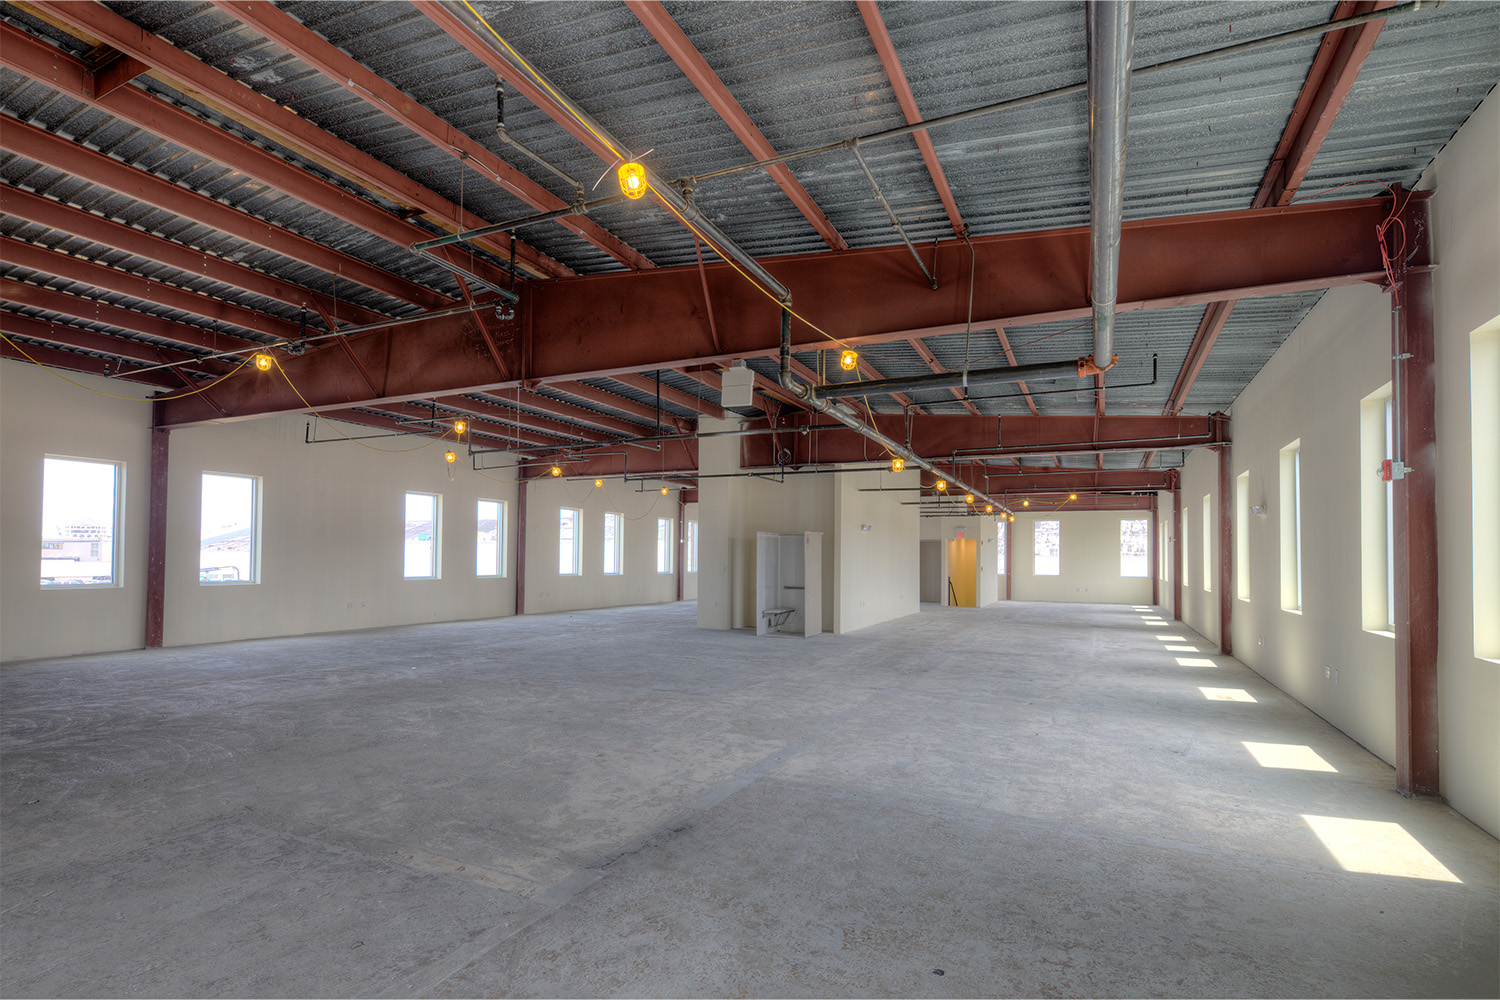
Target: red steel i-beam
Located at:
point(652, 317)
point(1416, 555)
point(156, 539)
point(685, 54)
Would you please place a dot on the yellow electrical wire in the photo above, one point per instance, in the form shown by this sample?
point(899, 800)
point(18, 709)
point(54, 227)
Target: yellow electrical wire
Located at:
point(537, 77)
point(148, 399)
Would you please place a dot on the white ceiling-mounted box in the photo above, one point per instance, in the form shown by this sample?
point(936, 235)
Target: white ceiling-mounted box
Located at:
point(737, 387)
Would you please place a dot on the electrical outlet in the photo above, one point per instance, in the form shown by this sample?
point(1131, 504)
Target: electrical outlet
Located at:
point(1335, 677)
point(1260, 640)
point(1327, 672)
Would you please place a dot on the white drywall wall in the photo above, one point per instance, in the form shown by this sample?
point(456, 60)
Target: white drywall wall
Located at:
point(332, 528)
point(42, 415)
point(1090, 569)
point(1311, 390)
point(641, 504)
point(875, 572)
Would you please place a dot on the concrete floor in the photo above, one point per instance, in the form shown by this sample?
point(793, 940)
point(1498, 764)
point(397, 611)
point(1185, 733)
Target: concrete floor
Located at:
point(1029, 799)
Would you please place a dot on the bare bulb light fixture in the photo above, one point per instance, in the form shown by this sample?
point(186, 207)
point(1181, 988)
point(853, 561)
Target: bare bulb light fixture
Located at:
point(897, 465)
point(941, 485)
point(459, 426)
point(848, 360)
point(599, 483)
point(968, 498)
point(632, 180)
point(556, 472)
point(663, 491)
point(989, 508)
point(449, 457)
point(264, 362)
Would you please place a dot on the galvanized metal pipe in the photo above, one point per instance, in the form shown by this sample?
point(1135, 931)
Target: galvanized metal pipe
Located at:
point(808, 395)
point(952, 380)
point(891, 212)
point(583, 208)
point(1111, 39)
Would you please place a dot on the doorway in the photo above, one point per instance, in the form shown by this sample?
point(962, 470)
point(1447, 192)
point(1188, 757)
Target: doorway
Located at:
point(963, 572)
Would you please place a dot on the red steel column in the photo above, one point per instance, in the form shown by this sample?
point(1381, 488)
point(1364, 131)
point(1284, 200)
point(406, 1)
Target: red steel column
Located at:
point(520, 544)
point(1226, 546)
point(1177, 551)
point(1416, 554)
point(1155, 555)
point(156, 538)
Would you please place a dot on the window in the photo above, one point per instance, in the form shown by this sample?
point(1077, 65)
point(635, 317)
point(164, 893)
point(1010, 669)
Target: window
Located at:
point(80, 522)
point(489, 538)
point(1208, 542)
point(1183, 535)
point(1163, 540)
point(614, 532)
point(1242, 536)
point(664, 545)
point(569, 560)
point(1291, 527)
point(1377, 564)
point(691, 545)
point(229, 530)
point(1133, 543)
point(1047, 547)
point(422, 536)
point(1002, 534)
point(1484, 444)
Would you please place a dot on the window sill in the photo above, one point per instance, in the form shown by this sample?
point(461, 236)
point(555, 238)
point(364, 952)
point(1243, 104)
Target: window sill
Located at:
point(1292, 611)
point(1381, 631)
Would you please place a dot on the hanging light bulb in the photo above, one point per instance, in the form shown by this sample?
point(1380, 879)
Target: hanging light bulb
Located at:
point(897, 465)
point(556, 472)
point(599, 483)
point(1072, 496)
point(1025, 503)
point(663, 491)
point(848, 359)
point(264, 362)
point(449, 457)
point(968, 498)
point(632, 180)
point(459, 426)
point(941, 485)
point(989, 508)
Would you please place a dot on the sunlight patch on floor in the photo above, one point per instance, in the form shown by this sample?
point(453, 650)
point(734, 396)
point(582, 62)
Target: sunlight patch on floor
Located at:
point(1227, 694)
point(1288, 755)
point(1377, 848)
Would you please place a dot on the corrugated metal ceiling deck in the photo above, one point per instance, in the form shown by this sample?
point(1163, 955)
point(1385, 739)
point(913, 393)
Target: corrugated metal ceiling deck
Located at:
point(805, 73)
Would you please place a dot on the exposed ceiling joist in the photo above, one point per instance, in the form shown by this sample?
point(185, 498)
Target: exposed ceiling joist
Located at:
point(338, 66)
point(685, 54)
